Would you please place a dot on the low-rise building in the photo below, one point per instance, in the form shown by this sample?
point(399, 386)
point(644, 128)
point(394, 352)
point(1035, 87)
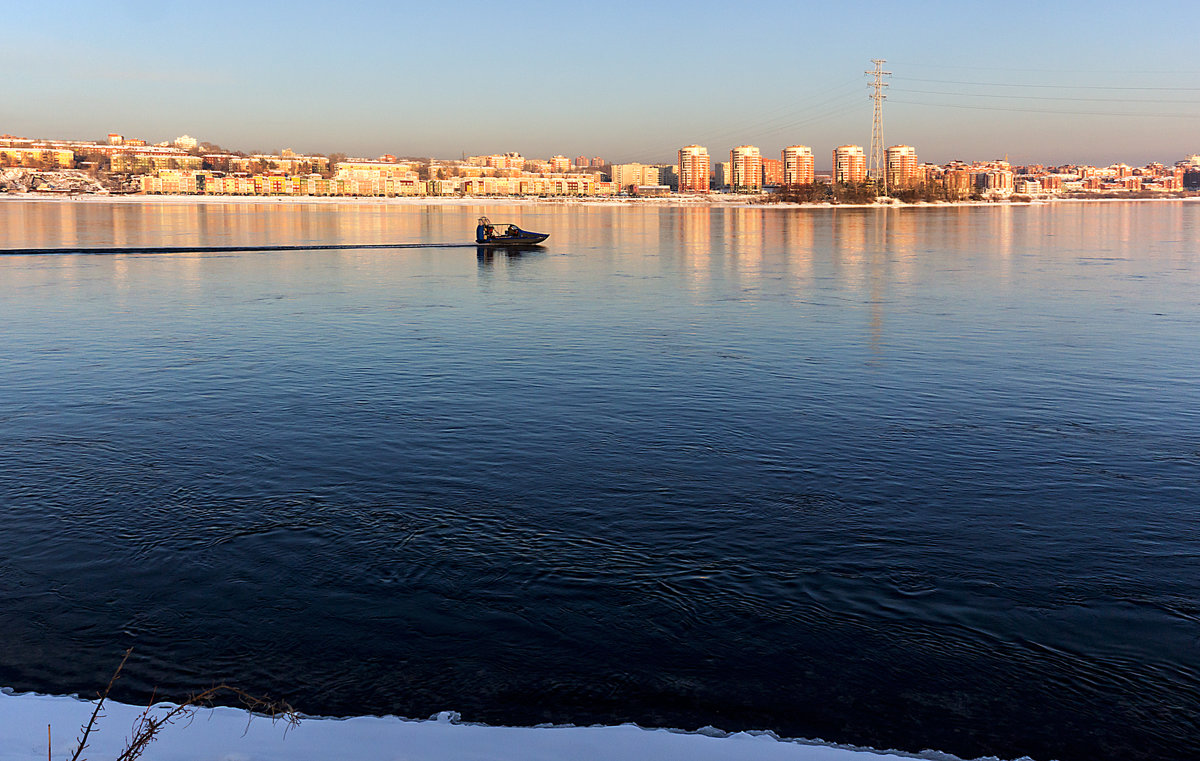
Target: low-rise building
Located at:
point(37, 156)
point(625, 176)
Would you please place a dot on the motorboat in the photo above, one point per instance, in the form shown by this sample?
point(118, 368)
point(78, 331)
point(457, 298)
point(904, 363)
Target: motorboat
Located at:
point(488, 234)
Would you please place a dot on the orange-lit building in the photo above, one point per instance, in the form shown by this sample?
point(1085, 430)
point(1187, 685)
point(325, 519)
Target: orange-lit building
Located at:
point(772, 172)
point(901, 166)
point(849, 164)
point(798, 165)
point(36, 157)
point(693, 169)
point(747, 168)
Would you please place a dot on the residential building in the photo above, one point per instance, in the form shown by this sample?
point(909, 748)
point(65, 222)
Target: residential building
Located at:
point(798, 165)
point(144, 160)
point(998, 182)
point(849, 164)
point(37, 157)
point(747, 168)
point(625, 176)
point(772, 172)
point(289, 162)
point(669, 175)
point(723, 176)
point(901, 166)
point(693, 169)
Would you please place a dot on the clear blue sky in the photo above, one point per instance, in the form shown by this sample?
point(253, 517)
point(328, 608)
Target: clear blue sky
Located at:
point(1049, 81)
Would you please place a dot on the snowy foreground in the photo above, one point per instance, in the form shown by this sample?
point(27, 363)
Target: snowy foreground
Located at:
point(228, 734)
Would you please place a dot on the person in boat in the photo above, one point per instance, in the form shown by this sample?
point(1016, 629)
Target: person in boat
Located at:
point(512, 231)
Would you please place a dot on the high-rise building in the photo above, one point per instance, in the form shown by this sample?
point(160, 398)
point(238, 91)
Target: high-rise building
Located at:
point(849, 164)
point(668, 174)
point(723, 174)
point(560, 164)
point(597, 162)
point(772, 172)
point(901, 166)
point(747, 167)
point(693, 169)
point(581, 162)
point(798, 166)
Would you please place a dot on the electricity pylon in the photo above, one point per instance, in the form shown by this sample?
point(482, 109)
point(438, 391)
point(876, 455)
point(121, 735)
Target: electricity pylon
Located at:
point(878, 167)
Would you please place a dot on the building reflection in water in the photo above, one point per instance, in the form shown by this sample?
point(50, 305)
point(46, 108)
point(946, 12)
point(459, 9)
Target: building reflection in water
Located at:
point(878, 258)
point(695, 229)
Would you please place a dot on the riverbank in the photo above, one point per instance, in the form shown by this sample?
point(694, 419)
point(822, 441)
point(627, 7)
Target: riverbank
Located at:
point(674, 201)
point(29, 721)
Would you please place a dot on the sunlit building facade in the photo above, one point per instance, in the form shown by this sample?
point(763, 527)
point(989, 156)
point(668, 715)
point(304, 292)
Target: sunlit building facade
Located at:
point(747, 168)
point(694, 166)
point(849, 164)
point(798, 165)
point(772, 172)
point(901, 166)
point(625, 176)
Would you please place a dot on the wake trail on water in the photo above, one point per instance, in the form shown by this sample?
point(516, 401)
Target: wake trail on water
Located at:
point(220, 249)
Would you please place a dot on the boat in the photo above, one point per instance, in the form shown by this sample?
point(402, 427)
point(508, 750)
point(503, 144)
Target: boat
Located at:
point(488, 234)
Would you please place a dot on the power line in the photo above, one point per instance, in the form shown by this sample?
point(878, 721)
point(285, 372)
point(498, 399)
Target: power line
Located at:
point(1049, 111)
point(1042, 97)
point(942, 66)
point(1056, 87)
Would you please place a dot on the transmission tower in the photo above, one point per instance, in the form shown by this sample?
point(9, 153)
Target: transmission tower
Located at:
point(878, 167)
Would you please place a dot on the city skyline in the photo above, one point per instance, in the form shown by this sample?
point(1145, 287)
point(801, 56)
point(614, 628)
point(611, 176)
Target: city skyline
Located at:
point(1064, 83)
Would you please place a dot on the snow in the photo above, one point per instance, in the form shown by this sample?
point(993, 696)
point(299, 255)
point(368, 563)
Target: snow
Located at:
point(228, 734)
point(711, 200)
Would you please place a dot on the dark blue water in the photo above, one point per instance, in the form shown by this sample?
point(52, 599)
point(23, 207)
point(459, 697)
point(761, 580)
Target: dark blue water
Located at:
point(909, 479)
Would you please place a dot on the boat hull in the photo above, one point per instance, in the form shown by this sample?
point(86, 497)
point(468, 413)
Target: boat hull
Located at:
point(526, 239)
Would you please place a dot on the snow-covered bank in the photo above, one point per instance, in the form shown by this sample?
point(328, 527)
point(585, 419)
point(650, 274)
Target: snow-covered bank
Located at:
point(228, 734)
point(18, 181)
point(718, 201)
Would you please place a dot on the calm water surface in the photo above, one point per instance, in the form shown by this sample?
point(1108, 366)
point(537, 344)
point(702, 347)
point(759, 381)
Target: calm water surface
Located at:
point(902, 478)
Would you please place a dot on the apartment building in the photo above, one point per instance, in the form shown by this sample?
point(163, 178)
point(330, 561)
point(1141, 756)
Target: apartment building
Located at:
point(798, 165)
point(693, 169)
point(746, 161)
point(901, 166)
point(625, 176)
point(772, 171)
point(849, 164)
point(36, 157)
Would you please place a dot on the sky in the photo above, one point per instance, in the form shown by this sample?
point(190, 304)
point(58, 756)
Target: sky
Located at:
point(1055, 81)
